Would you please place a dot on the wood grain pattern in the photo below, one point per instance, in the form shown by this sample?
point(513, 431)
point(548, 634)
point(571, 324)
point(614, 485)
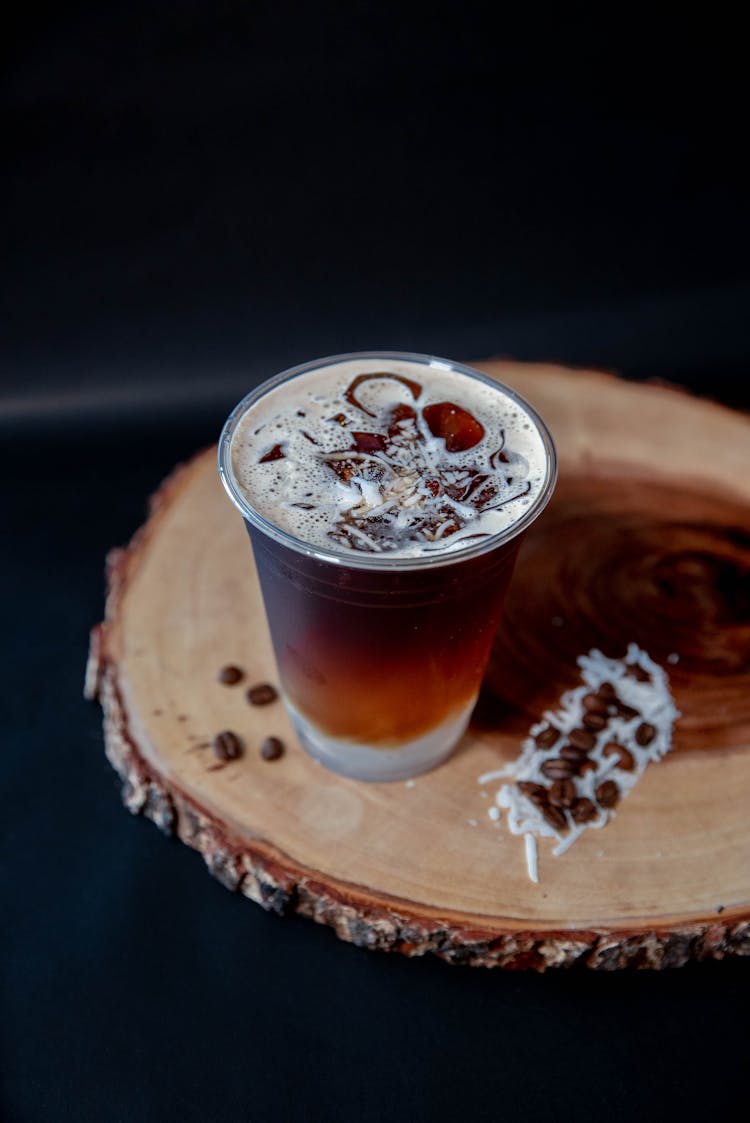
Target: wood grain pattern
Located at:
point(646, 540)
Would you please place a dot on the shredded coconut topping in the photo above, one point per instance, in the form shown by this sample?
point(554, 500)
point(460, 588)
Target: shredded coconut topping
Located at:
point(642, 692)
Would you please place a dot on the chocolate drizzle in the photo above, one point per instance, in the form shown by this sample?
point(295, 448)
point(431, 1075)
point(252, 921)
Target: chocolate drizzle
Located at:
point(275, 453)
point(408, 477)
point(413, 387)
point(499, 456)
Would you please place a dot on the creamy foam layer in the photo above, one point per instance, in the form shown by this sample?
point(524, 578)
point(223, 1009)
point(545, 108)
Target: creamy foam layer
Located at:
point(421, 460)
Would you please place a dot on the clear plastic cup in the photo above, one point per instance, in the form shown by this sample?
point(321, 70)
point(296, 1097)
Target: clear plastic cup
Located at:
point(380, 658)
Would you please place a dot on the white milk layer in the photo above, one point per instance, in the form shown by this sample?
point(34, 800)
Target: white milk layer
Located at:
point(362, 762)
point(363, 469)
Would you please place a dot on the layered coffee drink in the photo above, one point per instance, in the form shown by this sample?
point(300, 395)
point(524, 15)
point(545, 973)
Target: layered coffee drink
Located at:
point(385, 497)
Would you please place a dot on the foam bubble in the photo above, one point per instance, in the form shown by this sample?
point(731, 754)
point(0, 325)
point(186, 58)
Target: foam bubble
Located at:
point(356, 476)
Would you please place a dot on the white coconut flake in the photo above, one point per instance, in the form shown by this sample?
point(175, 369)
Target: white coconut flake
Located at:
point(653, 702)
point(532, 857)
point(498, 774)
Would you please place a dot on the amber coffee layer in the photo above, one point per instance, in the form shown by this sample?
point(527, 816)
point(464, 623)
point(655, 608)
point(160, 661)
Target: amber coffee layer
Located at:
point(644, 543)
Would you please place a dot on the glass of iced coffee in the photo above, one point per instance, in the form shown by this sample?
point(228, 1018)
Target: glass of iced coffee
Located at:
point(385, 495)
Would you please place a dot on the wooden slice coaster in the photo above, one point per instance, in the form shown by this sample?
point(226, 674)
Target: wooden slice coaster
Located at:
point(647, 540)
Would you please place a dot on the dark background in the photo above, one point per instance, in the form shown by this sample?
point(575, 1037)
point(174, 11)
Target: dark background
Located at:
point(194, 197)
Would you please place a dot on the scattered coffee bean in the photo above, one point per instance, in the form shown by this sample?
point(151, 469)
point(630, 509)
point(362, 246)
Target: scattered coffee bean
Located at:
point(537, 793)
point(547, 738)
point(562, 793)
point(594, 720)
point(607, 794)
point(227, 745)
point(555, 817)
point(626, 711)
point(636, 671)
point(583, 810)
point(272, 748)
point(624, 756)
point(558, 769)
point(645, 733)
point(261, 694)
point(582, 739)
point(607, 692)
point(585, 766)
point(230, 675)
point(593, 704)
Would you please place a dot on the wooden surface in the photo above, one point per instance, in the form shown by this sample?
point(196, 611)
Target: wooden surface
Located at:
point(647, 540)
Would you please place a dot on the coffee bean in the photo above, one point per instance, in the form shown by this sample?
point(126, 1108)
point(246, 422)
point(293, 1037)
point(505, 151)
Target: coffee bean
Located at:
point(607, 794)
point(562, 793)
point(626, 711)
point(592, 703)
point(558, 769)
point(585, 766)
point(582, 739)
point(272, 748)
point(547, 738)
point(537, 793)
point(582, 810)
point(644, 734)
point(624, 756)
point(594, 720)
point(261, 694)
point(555, 817)
point(230, 675)
point(571, 753)
point(607, 692)
point(227, 745)
point(636, 671)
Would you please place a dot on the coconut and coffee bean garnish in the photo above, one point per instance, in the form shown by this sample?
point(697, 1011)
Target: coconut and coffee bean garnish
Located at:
point(582, 759)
